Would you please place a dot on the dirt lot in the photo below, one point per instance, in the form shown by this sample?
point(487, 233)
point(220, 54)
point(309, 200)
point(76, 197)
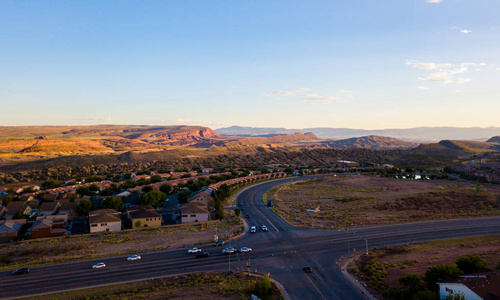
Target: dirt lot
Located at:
point(51, 250)
point(418, 257)
point(370, 200)
point(191, 286)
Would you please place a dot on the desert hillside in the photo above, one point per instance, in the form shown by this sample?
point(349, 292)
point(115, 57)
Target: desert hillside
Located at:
point(372, 142)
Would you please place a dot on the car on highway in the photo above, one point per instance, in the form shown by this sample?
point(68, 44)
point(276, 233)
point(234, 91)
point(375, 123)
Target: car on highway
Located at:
point(134, 257)
point(229, 250)
point(307, 269)
point(202, 254)
point(264, 228)
point(247, 216)
point(21, 271)
point(245, 249)
point(99, 265)
point(253, 229)
point(240, 204)
point(194, 250)
point(219, 243)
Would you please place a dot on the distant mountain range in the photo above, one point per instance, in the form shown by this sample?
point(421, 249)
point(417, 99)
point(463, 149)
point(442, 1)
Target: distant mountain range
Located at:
point(418, 134)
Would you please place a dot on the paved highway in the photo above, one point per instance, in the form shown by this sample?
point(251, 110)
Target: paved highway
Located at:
point(282, 252)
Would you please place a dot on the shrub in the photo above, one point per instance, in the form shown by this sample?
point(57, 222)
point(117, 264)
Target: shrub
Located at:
point(471, 263)
point(439, 273)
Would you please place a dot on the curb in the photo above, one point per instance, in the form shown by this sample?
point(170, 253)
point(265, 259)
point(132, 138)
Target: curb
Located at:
point(353, 281)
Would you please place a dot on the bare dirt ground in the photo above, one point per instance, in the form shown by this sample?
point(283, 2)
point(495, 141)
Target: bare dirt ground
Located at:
point(51, 250)
point(418, 257)
point(191, 286)
point(370, 200)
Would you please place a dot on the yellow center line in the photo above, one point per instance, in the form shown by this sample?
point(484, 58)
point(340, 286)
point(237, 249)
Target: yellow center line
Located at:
point(315, 286)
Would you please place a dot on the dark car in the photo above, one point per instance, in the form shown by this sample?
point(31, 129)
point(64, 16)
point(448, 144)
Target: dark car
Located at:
point(202, 254)
point(307, 269)
point(219, 243)
point(21, 271)
point(247, 216)
point(240, 204)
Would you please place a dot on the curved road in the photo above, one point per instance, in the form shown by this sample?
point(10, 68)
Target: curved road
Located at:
point(282, 252)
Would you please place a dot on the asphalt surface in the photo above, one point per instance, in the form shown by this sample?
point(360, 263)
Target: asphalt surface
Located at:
point(282, 251)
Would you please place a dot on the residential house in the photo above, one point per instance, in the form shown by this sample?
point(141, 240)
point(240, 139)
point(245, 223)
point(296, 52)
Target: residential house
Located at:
point(50, 197)
point(473, 287)
point(102, 220)
point(27, 197)
point(200, 198)
point(195, 212)
point(144, 216)
point(3, 211)
point(10, 229)
point(68, 208)
point(131, 200)
point(48, 208)
point(14, 206)
point(48, 227)
point(207, 170)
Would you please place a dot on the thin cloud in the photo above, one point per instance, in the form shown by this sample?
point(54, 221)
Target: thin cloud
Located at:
point(462, 30)
point(299, 94)
point(434, 1)
point(318, 98)
point(283, 93)
point(443, 73)
point(421, 87)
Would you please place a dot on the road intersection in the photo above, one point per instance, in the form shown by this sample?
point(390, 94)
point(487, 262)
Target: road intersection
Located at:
point(282, 252)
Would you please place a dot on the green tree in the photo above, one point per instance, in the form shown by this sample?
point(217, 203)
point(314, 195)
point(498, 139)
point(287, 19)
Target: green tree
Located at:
point(113, 203)
point(94, 188)
point(439, 273)
point(183, 196)
point(264, 287)
point(147, 188)
point(8, 199)
point(237, 211)
point(127, 176)
point(84, 206)
point(412, 282)
point(128, 184)
point(156, 178)
point(165, 188)
point(137, 224)
point(143, 181)
point(84, 191)
point(153, 198)
point(18, 215)
point(117, 178)
point(471, 264)
point(50, 184)
point(455, 296)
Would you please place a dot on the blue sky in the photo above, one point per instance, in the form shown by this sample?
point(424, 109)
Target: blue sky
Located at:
point(294, 64)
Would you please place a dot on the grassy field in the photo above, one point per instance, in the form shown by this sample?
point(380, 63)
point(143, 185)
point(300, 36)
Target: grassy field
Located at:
point(70, 248)
point(395, 261)
point(190, 286)
point(370, 200)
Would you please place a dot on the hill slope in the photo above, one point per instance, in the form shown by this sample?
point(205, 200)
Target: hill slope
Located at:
point(372, 142)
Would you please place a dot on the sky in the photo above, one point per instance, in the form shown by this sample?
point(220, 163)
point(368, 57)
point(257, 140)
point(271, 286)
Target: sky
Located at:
point(283, 63)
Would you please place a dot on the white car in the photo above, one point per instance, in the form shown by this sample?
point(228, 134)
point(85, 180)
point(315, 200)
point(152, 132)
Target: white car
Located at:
point(253, 229)
point(134, 257)
point(99, 265)
point(229, 250)
point(264, 228)
point(245, 249)
point(194, 250)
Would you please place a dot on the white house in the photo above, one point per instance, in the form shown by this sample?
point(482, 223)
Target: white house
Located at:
point(195, 212)
point(473, 287)
point(102, 220)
